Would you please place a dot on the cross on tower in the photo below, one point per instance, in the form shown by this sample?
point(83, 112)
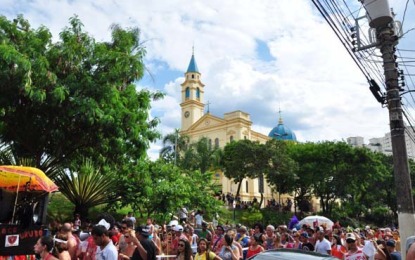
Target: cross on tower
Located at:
point(208, 103)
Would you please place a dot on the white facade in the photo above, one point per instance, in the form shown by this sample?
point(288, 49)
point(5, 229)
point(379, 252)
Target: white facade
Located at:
point(384, 144)
point(356, 141)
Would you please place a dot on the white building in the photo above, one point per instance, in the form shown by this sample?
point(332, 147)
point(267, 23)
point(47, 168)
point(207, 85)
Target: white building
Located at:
point(384, 144)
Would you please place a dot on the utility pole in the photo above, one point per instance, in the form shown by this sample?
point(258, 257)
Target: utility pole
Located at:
point(382, 21)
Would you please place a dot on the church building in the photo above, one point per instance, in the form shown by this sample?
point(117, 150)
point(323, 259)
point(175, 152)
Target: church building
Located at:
point(233, 126)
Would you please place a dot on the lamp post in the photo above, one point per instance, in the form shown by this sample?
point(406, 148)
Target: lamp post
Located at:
point(234, 207)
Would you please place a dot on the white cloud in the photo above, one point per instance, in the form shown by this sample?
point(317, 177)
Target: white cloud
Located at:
point(309, 75)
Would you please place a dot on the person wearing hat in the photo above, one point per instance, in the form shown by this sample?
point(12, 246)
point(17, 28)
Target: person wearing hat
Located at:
point(353, 252)
point(146, 249)
point(305, 244)
point(391, 246)
point(242, 238)
point(178, 234)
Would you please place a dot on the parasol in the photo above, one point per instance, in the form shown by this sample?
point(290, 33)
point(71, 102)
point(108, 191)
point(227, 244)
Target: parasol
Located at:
point(15, 178)
point(315, 221)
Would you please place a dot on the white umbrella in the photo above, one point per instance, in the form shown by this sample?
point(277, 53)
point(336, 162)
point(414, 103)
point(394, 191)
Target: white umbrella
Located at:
point(315, 221)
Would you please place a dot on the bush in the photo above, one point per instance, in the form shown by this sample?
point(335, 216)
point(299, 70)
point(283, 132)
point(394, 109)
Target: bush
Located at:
point(60, 208)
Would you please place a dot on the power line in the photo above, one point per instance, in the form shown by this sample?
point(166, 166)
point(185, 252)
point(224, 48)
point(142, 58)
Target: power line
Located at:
point(404, 12)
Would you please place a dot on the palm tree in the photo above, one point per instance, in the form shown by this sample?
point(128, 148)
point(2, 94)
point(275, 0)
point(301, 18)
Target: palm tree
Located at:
point(48, 164)
point(173, 144)
point(87, 187)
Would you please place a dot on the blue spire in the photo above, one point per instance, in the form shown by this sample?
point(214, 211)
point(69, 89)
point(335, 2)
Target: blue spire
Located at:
point(192, 65)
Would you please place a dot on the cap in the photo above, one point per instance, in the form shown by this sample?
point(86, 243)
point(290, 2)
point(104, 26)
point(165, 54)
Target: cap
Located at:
point(173, 223)
point(304, 234)
point(391, 243)
point(143, 230)
point(178, 228)
point(242, 229)
point(319, 229)
point(351, 236)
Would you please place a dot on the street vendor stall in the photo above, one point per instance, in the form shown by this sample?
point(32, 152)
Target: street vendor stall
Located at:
point(24, 193)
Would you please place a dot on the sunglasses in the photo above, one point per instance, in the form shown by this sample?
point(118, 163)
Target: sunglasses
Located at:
point(127, 236)
point(123, 227)
point(350, 241)
point(181, 245)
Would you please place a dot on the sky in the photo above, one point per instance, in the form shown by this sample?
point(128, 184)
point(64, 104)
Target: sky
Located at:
point(256, 56)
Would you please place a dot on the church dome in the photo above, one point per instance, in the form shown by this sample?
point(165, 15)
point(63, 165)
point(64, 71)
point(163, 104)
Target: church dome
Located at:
point(281, 132)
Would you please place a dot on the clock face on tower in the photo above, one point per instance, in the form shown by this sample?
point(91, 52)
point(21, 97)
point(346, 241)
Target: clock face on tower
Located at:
point(186, 114)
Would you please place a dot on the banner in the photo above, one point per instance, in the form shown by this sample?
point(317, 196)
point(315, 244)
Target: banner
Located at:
point(17, 241)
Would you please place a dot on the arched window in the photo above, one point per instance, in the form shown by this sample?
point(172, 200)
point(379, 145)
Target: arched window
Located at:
point(246, 186)
point(198, 93)
point(187, 93)
point(231, 138)
point(193, 76)
point(217, 143)
point(210, 143)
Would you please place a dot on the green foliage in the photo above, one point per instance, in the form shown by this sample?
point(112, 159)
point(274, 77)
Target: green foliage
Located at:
point(86, 187)
point(280, 169)
point(173, 146)
point(158, 189)
point(336, 172)
point(250, 217)
point(276, 218)
point(60, 208)
point(241, 160)
point(74, 98)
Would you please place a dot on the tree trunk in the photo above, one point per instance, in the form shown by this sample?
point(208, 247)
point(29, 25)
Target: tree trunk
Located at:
point(239, 189)
point(82, 210)
point(262, 199)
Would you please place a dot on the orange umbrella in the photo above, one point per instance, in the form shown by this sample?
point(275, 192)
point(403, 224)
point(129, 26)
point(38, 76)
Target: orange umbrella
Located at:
point(15, 178)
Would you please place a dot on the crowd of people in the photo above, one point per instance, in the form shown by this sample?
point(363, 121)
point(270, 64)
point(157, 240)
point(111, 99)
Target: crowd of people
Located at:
point(128, 240)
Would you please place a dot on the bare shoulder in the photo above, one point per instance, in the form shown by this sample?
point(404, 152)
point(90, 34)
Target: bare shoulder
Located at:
point(410, 255)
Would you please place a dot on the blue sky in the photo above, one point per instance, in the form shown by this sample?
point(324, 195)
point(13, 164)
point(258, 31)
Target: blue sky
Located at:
point(254, 56)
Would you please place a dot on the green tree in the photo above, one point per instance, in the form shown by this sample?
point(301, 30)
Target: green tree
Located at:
point(201, 156)
point(240, 160)
point(335, 171)
point(74, 98)
point(86, 187)
point(158, 188)
point(173, 145)
point(280, 169)
point(302, 154)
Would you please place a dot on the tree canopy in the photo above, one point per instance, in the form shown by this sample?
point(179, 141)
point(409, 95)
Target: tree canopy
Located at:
point(158, 188)
point(74, 98)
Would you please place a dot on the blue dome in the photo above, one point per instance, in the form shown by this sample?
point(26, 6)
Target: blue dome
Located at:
point(281, 132)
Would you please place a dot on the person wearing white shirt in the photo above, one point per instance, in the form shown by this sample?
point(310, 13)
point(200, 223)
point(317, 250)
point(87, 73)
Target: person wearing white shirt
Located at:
point(322, 246)
point(106, 249)
point(199, 219)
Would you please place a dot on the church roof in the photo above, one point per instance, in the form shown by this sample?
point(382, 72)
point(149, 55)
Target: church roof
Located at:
point(192, 65)
point(282, 132)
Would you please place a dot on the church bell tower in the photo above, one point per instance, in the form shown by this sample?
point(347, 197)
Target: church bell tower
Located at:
point(192, 96)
